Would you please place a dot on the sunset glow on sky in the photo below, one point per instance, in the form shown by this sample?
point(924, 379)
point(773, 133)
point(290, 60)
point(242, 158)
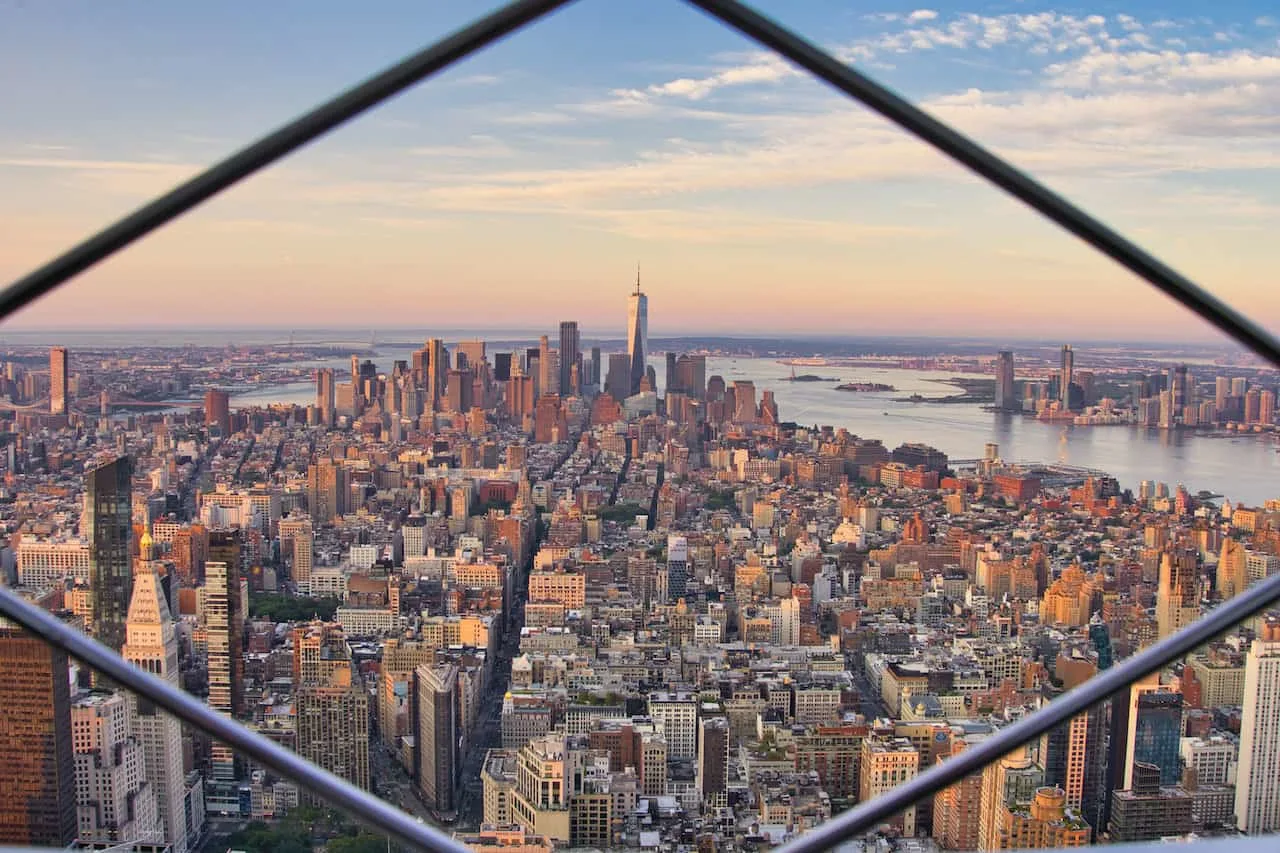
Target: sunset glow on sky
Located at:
point(521, 187)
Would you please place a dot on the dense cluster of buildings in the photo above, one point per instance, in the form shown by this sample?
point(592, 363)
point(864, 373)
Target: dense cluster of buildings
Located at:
point(573, 612)
point(1171, 399)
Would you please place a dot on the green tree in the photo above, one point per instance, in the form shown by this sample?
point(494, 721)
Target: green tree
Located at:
point(363, 842)
point(258, 837)
point(288, 608)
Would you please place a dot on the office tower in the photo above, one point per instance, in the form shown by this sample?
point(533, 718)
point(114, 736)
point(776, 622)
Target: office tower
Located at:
point(217, 410)
point(713, 760)
point(1007, 784)
point(1178, 593)
point(331, 704)
point(475, 353)
point(618, 381)
point(520, 395)
point(678, 713)
point(1232, 576)
point(637, 335)
point(1006, 398)
point(437, 372)
point(1066, 372)
point(541, 796)
point(224, 614)
point(108, 528)
point(596, 378)
point(1267, 407)
point(677, 567)
point(1221, 391)
point(671, 381)
point(36, 758)
point(326, 491)
point(1258, 772)
point(1146, 811)
point(436, 689)
point(544, 366)
point(1146, 726)
point(1063, 755)
point(457, 397)
point(570, 357)
point(151, 644)
point(297, 540)
point(1178, 390)
point(744, 402)
point(887, 762)
point(57, 380)
point(116, 801)
point(324, 395)
point(502, 366)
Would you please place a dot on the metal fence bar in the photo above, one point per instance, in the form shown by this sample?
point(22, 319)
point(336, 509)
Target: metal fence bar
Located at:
point(866, 816)
point(979, 160)
point(364, 806)
point(272, 147)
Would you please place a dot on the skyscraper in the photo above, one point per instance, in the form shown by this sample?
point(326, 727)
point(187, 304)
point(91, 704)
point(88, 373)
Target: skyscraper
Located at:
point(1066, 371)
point(152, 645)
point(595, 367)
point(436, 692)
point(437, 372)
point(1258, 773)
point(1146, 728)
point(108, 527)
point(332, 708)
point(1006, 399)
point(57, 380)
point(570, 357)
point(618, 381)
point(1178, 593)
point(544, 366)
point(502, 362)
point(324, 395)
point(217, 410)
point(326, 491)
point(224, 605)
point(116, 800)
point(36, 759)
point(637, 335)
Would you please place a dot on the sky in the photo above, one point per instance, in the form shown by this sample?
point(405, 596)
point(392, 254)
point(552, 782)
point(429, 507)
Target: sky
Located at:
point(523, 186)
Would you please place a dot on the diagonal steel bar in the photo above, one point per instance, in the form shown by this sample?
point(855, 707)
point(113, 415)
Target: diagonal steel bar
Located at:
point(272, 147)
point(866, 816)
point(364, 806)
point(977, 159)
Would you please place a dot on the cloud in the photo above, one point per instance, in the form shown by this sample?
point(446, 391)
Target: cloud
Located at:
point(138, 178)
point(726, 226)
point(922, 15)
point(477, 147)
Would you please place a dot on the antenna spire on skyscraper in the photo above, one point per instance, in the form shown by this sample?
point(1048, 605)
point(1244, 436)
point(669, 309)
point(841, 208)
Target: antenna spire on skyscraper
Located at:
point(637, 276)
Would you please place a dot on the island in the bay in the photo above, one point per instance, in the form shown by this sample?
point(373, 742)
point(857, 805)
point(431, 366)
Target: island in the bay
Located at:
point(811, 377)
point(865, 386)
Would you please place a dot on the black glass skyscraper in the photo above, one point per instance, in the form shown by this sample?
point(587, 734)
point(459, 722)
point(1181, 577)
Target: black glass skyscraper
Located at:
point(108, 528)
point(570, 357)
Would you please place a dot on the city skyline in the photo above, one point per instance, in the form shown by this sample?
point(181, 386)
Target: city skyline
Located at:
point(724, 170)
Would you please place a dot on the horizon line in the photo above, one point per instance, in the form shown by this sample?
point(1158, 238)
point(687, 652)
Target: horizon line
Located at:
point(535, 331)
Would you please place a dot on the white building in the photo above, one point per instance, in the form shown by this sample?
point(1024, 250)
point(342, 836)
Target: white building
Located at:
point(152, 645)
point(367, 621)
point(44, 563)
point(114, 802)
point(1258, 774)
point(678, 714)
